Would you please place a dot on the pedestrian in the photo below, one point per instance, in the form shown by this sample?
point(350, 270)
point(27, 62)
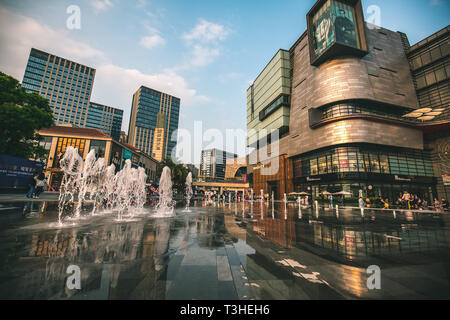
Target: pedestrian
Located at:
point(32, 185)
point(407, 199)
point(437, 205)
point(445, 204)
point(362, 204)
point(386, 203)
point(40, 183)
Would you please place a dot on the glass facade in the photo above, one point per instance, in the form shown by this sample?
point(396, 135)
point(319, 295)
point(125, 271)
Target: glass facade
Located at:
point(147, 104)
point(365, 160)
point(66, 84)
point(213, 163)
point(106, 119)
point(334, 22)
point(358, 108)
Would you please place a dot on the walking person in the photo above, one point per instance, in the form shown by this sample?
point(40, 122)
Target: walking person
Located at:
point(445, 205)
point(407, 199)
point(362, 204)
point(40, 184)
point(32, 185)
point(437, 205)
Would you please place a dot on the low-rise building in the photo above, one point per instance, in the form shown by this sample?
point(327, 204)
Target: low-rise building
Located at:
point(57, 139)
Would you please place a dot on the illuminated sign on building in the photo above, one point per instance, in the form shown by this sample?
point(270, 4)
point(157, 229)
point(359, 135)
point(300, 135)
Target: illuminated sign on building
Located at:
point(336, 27)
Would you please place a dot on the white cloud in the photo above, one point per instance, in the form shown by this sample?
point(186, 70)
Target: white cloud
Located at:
point(114, 85)
point(100, 5)
point(152, 41)
point(206, 31)
point(141, 3)
point(113, 82)
point(203, 41)
point(18, 34)
point(203, 56)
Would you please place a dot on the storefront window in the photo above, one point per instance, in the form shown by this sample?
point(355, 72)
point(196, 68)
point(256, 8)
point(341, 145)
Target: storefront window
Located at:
point(374, 163)
point(384, 164)
point(99, 147)
point(355, 160)
point(62, 145)
point(323, 165)
point(313, 166)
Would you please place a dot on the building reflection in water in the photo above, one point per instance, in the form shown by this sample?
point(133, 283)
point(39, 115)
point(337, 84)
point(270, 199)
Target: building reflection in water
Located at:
point(117, 261)
point(339, 250)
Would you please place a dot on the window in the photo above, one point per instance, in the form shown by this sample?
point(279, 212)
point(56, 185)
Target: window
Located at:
point(440, 75)
point(431, 78)
point(426, 58)
point(99, 147)
point(421, 82)
point(435, 54)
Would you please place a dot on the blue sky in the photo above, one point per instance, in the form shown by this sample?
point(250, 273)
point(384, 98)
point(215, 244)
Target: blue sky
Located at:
point(206, 52)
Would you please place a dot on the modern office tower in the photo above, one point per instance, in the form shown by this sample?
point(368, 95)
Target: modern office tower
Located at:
point(158, 140)
point(343, 104)
point(66, 84)
point(214, 162)
point(106, 119)
point(430, 67)
point(147, 105)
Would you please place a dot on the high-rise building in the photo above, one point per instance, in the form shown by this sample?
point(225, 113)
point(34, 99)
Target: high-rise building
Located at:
point(349, 111)
point(214, 162)
point(106, 119)
point(66, 84)
point(149, 105)
point(158, 138)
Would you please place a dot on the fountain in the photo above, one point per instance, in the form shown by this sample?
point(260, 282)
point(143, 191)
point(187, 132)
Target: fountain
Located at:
point(188, 191)
point(71, 165)
point(165, 206)
point(273, 205)
point(299, 209)
point(124, 191)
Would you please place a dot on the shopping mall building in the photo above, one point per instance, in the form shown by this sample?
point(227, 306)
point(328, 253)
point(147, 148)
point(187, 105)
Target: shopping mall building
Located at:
point(352, 107)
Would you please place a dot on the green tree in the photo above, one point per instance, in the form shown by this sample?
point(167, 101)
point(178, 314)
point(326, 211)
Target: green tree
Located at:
point(21, 115)
point(178, 172)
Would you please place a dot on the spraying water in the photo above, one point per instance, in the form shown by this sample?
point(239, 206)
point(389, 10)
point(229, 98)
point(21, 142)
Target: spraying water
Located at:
point(188, 191)
point(165, 205)
point(124, 191)
point(71, 164)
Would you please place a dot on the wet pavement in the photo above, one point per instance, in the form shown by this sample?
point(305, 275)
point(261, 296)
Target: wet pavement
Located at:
point(224, 252)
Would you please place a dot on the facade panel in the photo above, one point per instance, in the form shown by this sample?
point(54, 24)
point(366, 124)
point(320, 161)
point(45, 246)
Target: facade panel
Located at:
point(146, 106)
point(66, 84)
point(106, 119)
point(356, 123)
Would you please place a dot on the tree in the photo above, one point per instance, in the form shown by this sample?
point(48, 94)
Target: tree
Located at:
point(178, 172)
point(21, 115)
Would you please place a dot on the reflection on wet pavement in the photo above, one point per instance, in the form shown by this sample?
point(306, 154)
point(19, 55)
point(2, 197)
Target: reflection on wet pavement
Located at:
point(225, 251)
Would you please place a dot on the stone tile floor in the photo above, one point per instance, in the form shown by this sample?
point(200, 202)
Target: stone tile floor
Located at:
point(223, 253)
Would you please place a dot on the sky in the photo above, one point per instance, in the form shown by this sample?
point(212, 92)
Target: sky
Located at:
point(206, 52)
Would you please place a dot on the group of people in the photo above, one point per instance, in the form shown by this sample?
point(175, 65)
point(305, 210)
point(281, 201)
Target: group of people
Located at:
point(36, 185)
point(408, 201)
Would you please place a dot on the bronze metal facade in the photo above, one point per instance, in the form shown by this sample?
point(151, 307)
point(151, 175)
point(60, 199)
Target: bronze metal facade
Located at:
point(381, 79)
